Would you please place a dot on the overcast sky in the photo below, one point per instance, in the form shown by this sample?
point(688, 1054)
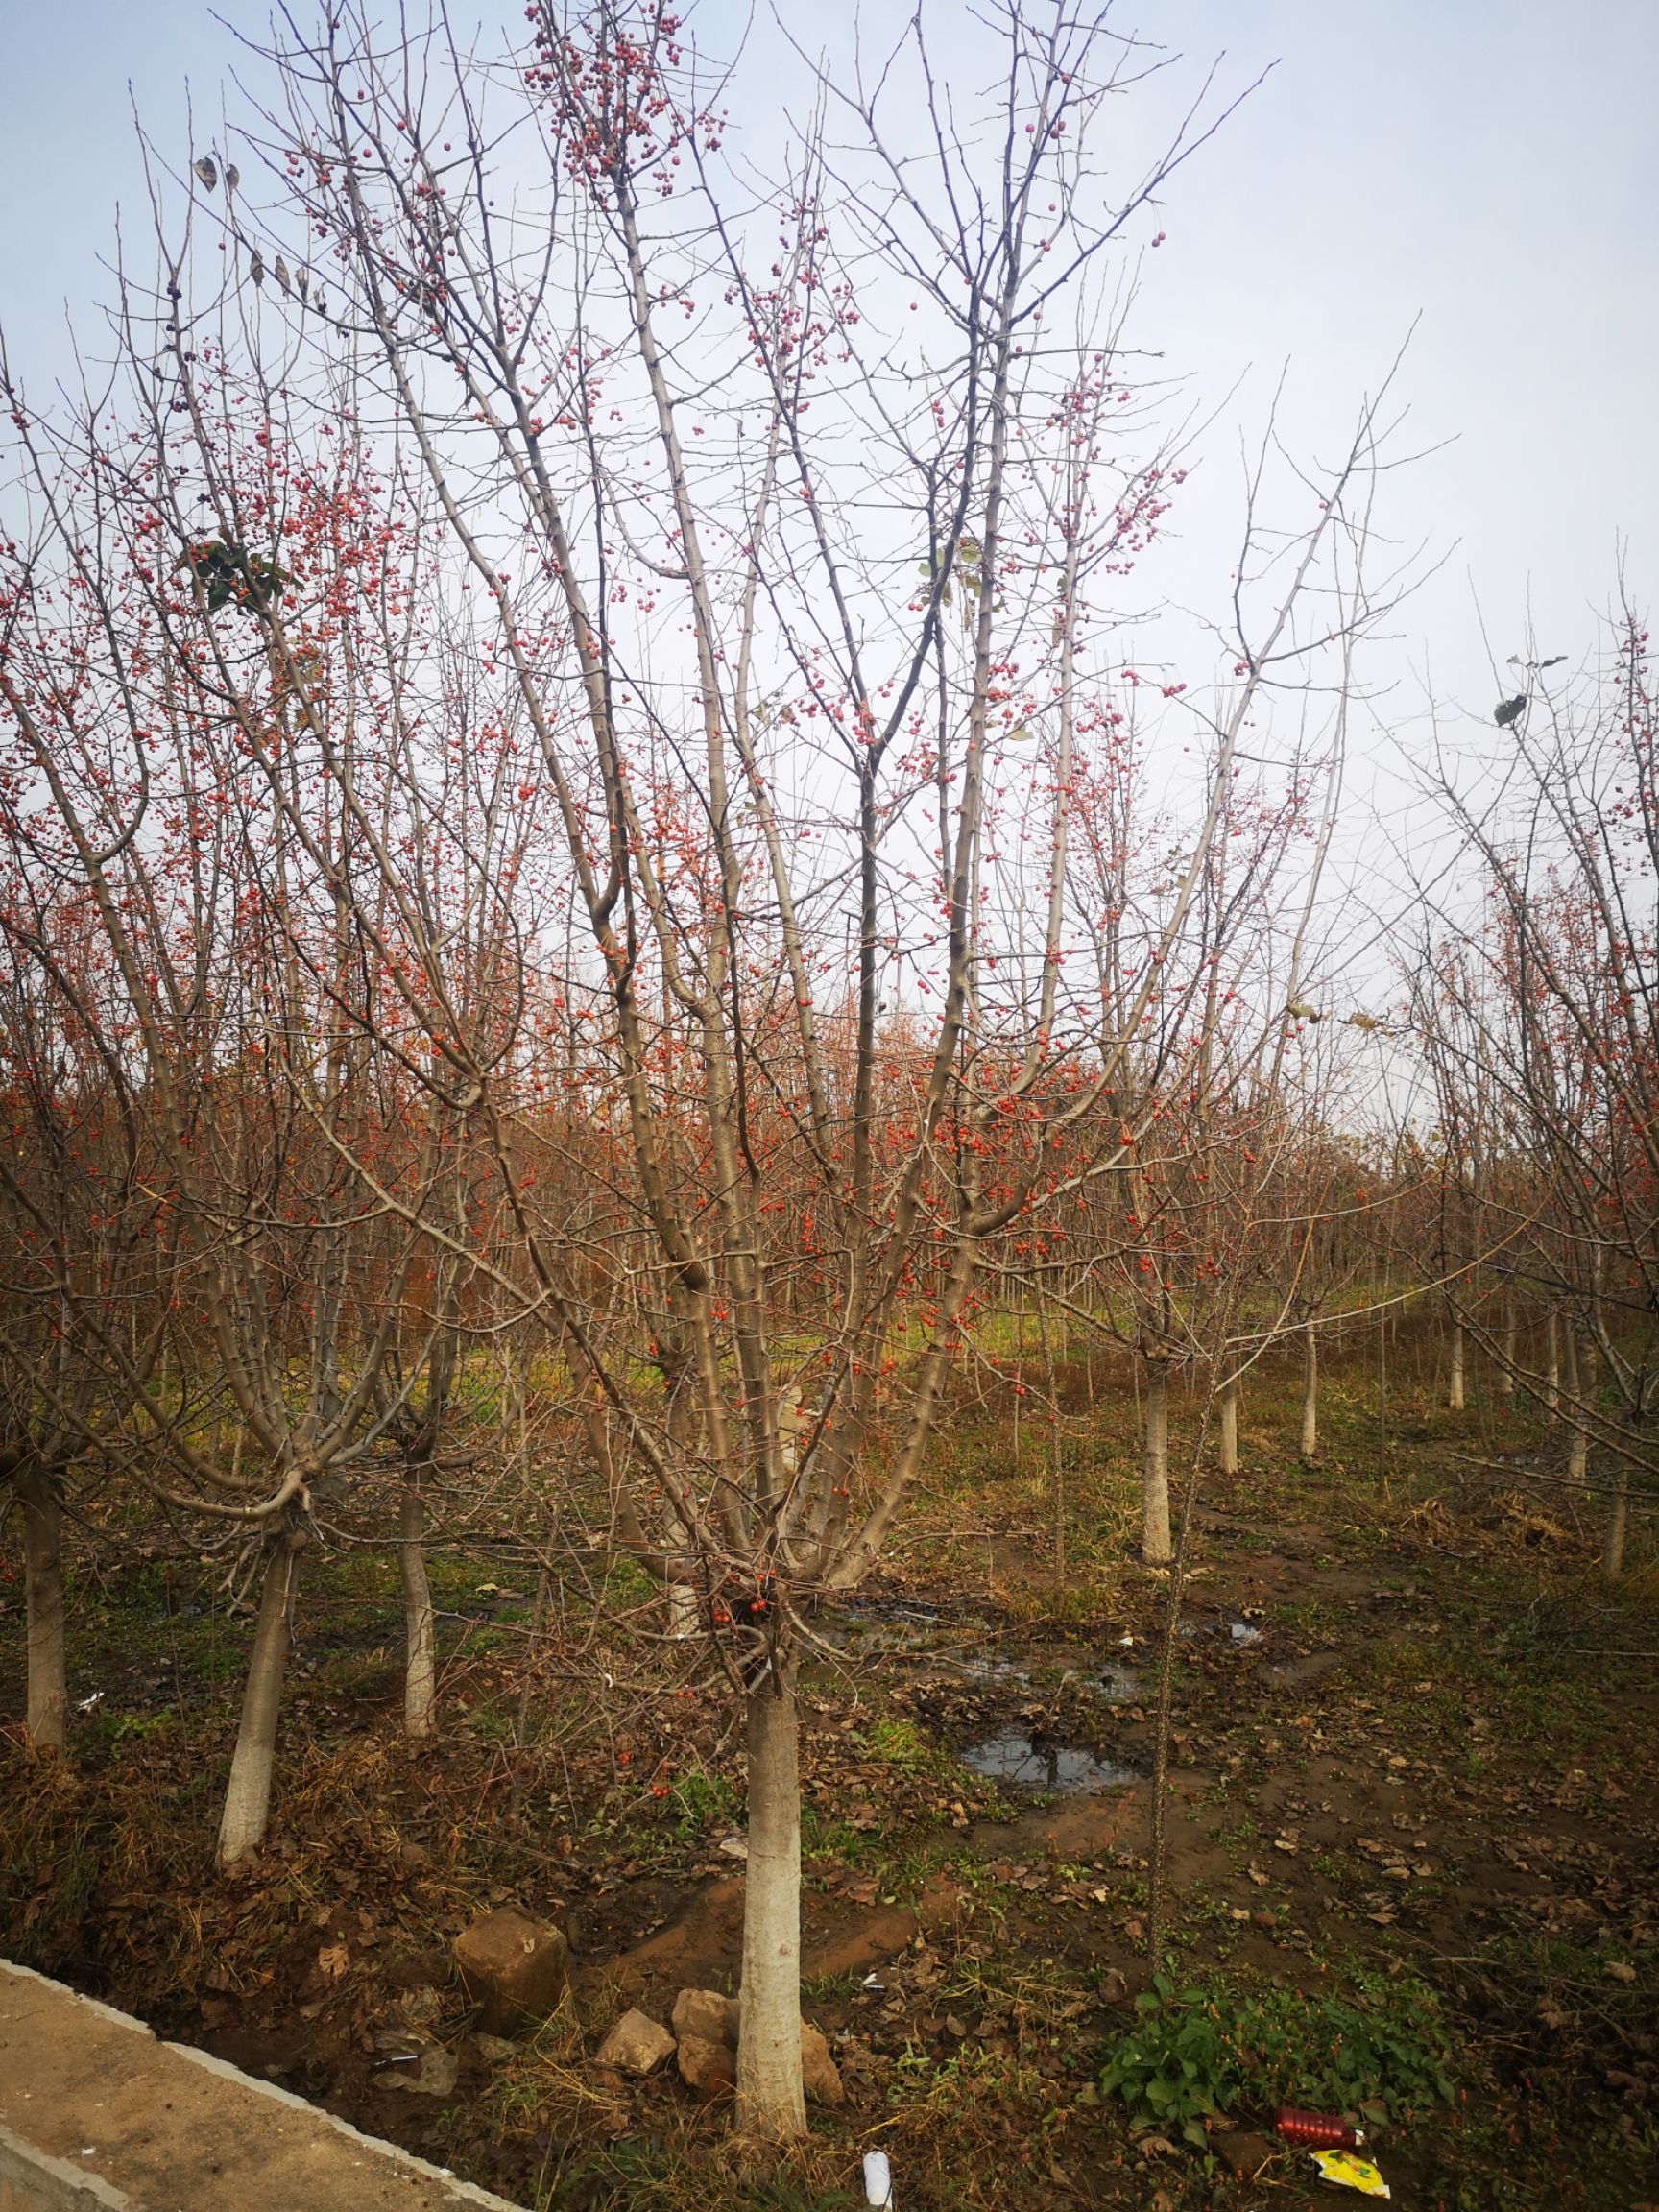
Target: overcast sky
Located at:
point(1487, 168)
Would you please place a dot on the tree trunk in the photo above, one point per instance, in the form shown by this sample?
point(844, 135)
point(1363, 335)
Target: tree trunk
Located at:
point(770, 2101)
point(1310, 1392)
point(684, 1612)
point(419, 1629)
point(1455, 1381)
point(1578, 1456)
point(1506, 1368)
point(1552, 1361)
point(1056, 1444)
point(48, 1705)
point(1618, 1512)
point(1155, 1546)
point(1227, 1414)
point(247, 1793)
point(1578, 1380)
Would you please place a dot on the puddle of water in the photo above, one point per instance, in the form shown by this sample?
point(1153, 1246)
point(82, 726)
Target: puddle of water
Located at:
point(995, 1670)
point(1063, 1770)
point(876, 1628)
point(1110, 1679)
point(881, 1610)
point(1239, 1633)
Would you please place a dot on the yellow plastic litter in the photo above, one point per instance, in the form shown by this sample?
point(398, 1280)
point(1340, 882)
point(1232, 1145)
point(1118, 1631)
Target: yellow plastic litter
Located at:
point(1351, 2172)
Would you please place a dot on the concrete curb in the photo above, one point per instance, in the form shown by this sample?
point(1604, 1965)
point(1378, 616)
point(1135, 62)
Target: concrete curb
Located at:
point(33, 2181)
point(77, 2077)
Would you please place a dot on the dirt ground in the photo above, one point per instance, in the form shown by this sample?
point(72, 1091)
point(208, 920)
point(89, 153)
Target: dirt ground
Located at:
point(1416, 1745)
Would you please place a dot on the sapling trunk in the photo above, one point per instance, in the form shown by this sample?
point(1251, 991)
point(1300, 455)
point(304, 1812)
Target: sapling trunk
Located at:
point(1227, 1412)
point(1506, 1368)
point(1056, 1446)
point(419, 1628)
point(684, 1613)
point(1155, 1546)
point(1309, 1391)
point(684, 1604)
point(1578, 1377)
point(771, 2103)
point(1578, 1456)
point(1454, 1379)
point(1618, 1513)
point(247, 1793)
point(48, 1695)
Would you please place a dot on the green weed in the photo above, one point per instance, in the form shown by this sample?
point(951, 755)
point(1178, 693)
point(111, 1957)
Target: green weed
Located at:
point(702, 1801)
point(1200, 2049)
point(901, 1743)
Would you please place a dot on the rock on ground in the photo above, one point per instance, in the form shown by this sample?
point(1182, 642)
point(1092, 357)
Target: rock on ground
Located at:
point(637, 2045)
point(513, 1969)
point(820, 2076)
point(1244, 2155)
point(706, 2022)
point(708, 2068)
point(707, 2014)
point(434, 2076)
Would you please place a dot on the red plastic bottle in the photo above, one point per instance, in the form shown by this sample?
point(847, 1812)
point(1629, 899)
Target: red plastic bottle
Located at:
point(1317, 2130)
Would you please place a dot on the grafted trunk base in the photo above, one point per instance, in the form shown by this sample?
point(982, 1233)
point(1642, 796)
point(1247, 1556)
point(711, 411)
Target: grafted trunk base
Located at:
point(1613, 1537)
point(1156, 1546)
point(420, 1625)
point(1227, 1415)
point(247, 1813)
point(1309, 1393)
point(47, 1710)
point(771, 2103)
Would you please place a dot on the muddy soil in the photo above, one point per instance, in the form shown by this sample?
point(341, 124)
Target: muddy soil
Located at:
point(1408, 1745)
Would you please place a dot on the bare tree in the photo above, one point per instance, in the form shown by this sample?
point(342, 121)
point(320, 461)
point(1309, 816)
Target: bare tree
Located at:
point(619, 748)
point(1538, 1019)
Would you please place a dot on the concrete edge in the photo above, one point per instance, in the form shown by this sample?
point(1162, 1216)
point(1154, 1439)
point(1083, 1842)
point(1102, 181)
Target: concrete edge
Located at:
point(53, 2184)
point(93, 2004)
point(466, 2191)
point(114, 2202)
